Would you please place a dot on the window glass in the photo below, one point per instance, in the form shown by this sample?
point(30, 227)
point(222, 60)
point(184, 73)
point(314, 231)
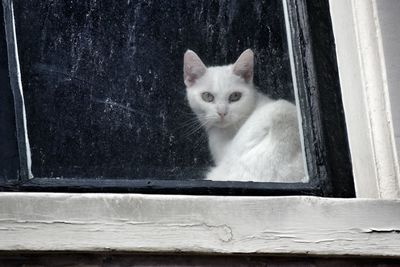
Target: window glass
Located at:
point(104, 88)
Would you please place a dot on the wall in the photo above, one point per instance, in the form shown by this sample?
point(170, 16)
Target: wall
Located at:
point(388, 18)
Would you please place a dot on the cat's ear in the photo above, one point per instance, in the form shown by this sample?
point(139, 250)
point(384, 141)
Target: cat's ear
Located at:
point(244, 66)
point(193, 68)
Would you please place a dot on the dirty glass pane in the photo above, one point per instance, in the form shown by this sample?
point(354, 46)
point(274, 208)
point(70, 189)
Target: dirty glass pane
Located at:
point(103, 80)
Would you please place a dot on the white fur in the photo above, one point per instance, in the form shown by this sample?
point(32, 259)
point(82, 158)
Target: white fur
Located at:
point(258, 138)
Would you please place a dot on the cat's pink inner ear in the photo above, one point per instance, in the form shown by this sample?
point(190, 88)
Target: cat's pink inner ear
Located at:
point(244, 66)
point(193, 68)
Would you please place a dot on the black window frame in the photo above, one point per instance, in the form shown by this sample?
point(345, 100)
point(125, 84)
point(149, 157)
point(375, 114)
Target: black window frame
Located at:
point(325, 135)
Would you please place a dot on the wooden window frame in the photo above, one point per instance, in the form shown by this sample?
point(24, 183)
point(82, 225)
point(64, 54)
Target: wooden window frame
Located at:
point(319, 97)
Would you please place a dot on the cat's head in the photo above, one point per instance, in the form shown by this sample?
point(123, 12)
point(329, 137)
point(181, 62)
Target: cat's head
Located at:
point(221, 96)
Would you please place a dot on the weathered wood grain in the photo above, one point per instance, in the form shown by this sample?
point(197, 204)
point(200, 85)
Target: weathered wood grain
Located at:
point(199, 224)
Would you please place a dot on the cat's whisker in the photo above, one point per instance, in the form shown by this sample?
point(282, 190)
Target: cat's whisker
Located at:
point(191, 127)
point(187, 124)
point(187, 113)
point(194, 124)
point(200, 125)
point(192, 131)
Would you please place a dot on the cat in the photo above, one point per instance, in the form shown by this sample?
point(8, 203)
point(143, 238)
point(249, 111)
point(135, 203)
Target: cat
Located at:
point(251, 137)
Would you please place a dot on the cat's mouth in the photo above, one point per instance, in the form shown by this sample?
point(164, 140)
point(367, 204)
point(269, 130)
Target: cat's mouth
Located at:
point(223, 123)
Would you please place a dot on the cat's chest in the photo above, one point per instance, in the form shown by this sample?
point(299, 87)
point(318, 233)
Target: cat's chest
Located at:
point(219, 140)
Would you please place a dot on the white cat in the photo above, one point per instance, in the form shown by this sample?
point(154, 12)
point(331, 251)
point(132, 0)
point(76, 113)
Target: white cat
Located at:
point(251, 137)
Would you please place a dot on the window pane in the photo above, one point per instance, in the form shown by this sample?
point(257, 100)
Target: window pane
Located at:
point(103, 81)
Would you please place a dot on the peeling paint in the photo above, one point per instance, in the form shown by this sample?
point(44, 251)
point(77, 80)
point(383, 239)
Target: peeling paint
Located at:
point(199, 224)
point(383, 231)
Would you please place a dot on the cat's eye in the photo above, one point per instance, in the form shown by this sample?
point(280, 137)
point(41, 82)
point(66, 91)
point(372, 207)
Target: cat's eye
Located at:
point(208, 97)
point(235, 96)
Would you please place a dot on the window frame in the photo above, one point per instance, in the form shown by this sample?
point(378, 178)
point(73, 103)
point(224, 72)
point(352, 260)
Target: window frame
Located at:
point(326, 147)
point(366, 96)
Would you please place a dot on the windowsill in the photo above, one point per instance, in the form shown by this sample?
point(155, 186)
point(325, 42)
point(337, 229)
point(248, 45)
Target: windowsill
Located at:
point(199, 224)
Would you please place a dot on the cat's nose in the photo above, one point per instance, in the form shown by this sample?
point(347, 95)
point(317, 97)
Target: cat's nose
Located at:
point(221, 114)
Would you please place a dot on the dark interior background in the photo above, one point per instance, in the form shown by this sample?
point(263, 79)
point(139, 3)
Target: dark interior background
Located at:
point(103, 80)
point(181, 260)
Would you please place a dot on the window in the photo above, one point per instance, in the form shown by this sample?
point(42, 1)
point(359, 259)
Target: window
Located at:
point(300, 225)
point(102, 90)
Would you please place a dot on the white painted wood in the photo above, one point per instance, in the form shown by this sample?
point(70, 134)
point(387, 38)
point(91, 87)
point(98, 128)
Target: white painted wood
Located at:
point(374, 78)
point(366, 100)
point(199, 224)
point(364, 171)
point(388, 21)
